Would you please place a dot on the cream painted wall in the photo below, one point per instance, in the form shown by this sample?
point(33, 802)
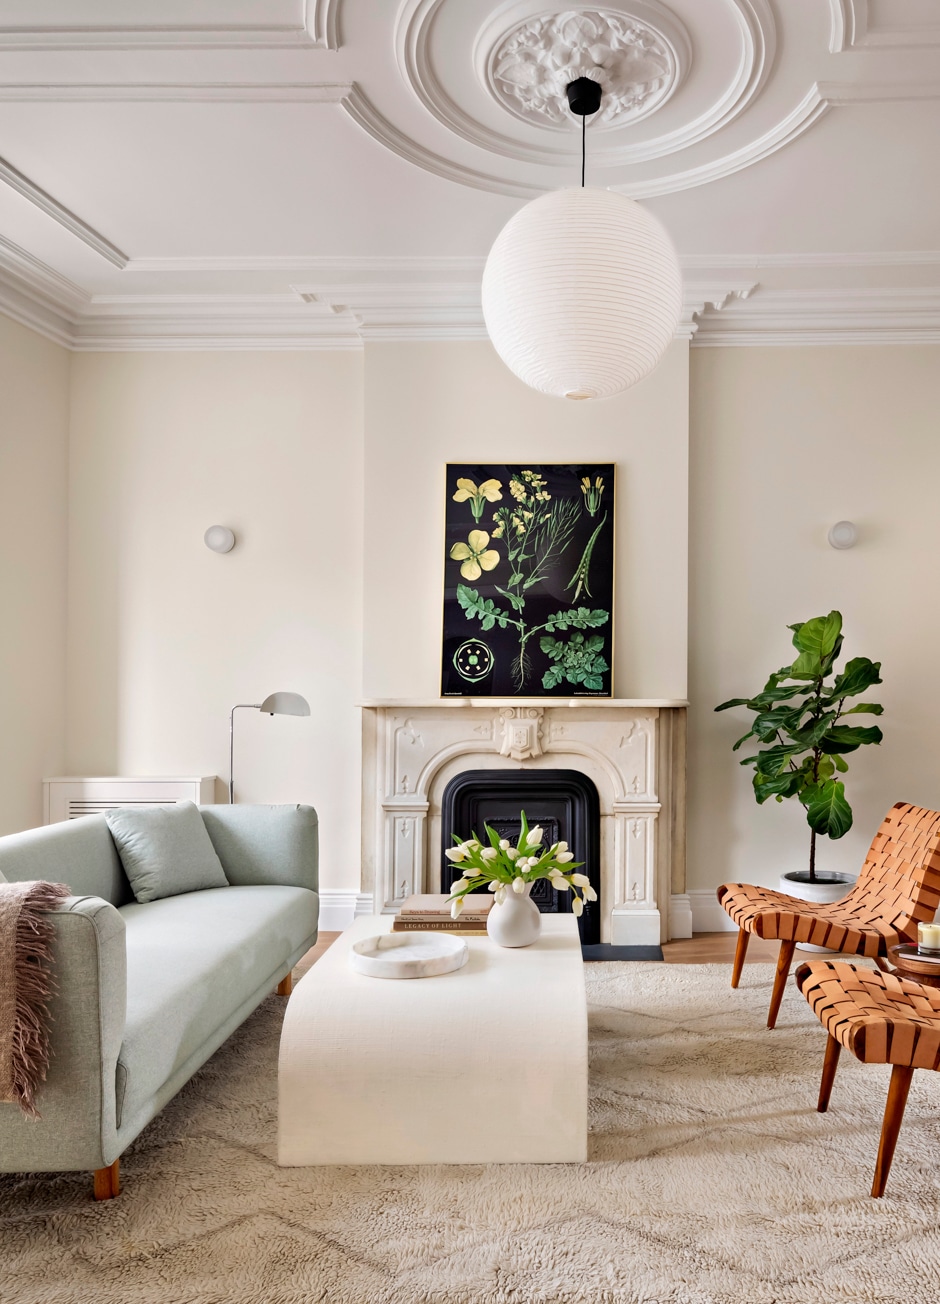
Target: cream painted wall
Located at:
point(784, 442)
point(165, 636)
point(427, 404)
point(34, 386)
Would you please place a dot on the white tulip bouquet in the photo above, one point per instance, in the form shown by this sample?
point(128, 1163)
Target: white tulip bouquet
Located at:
point(504, 867)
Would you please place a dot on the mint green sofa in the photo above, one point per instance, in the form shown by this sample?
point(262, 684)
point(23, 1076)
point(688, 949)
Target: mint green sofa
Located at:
point(147, 992)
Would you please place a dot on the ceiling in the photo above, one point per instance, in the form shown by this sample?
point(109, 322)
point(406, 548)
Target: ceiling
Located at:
point(281, 174)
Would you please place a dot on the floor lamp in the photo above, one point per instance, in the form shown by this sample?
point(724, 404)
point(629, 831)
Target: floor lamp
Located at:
point(274, 704)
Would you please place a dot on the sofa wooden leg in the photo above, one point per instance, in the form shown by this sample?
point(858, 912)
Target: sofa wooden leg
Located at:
point(901, 1075)
point(286, 985)
point(108, 1181)
point(740, 951)
point(784, 960)
point(830, 1064)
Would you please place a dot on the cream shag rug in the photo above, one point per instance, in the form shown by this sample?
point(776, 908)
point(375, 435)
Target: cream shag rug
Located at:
point(712, 1180)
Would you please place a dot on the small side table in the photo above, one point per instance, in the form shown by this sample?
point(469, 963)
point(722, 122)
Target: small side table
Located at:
point(908, 964)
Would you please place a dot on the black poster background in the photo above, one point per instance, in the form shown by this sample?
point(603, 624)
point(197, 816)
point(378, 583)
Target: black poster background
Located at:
point(488, 655)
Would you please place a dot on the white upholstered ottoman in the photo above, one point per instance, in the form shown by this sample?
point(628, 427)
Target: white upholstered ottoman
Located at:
point(484, 1065)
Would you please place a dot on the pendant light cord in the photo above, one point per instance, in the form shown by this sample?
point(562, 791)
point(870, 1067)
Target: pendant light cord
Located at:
point(583, 146)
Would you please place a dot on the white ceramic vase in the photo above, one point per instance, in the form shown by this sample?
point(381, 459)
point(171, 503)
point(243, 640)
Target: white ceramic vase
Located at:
point(826, 889)
point(517, 922)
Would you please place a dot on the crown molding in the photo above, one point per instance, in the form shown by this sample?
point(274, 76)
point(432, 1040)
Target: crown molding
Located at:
point(825, 317)
point(40, 199)
point(182, 92)
point(319, 28)
point(345, 303)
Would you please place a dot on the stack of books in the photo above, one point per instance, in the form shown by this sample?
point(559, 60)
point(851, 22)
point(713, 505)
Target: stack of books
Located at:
point(430, 912)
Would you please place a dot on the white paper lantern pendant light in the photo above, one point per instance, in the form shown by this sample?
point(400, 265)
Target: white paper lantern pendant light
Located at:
point(582, 290)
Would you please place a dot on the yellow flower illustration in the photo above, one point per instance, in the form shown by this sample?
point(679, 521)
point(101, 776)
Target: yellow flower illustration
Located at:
point(477, 495)
point(475, 555)
point(592, 493)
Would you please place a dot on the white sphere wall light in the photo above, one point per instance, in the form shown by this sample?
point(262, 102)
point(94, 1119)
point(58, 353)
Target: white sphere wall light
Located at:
point(582, 289)
point(844, 534)
point(219, 538)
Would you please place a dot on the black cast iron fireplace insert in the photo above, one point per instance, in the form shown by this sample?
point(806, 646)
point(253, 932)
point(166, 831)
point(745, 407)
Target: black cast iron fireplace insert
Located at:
point(563, 802)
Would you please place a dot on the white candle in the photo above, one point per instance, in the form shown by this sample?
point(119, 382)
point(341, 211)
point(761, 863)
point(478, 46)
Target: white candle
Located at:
point(928, 936)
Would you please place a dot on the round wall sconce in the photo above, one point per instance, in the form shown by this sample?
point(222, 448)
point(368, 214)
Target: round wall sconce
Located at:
point(844, 534)
point(219, 538)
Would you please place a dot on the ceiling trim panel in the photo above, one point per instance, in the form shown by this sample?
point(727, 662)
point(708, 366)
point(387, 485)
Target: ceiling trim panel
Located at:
point(318, 28)
point(183, 92)
point(38, 197)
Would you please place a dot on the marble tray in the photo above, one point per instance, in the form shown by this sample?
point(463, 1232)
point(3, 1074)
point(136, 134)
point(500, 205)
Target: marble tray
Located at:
point(408, 955)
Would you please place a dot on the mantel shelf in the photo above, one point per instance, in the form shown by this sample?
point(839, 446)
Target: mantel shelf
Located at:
point(459, 703)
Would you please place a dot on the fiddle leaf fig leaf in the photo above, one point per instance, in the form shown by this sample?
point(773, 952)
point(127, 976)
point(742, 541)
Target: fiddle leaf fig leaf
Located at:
point(818, 637)
point(843, 738)
point(827, 811)
point(780, 786)
point(870, 708)
point(858, 675)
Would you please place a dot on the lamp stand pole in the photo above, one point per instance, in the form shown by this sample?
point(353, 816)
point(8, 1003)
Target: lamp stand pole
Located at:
point(241, 706)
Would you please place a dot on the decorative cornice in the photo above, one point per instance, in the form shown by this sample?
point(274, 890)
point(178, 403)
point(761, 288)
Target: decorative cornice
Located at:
point(356, 301)
point(59, 213)
point(826, 317)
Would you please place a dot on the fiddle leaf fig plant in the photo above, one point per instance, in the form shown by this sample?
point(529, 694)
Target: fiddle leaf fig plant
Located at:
point(799, 714)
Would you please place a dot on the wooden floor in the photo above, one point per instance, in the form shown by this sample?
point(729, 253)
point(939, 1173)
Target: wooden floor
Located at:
point(703, 948)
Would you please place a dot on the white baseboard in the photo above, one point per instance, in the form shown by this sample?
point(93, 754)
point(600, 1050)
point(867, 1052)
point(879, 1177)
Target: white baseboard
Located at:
point(707, 914)
point(681, 923)
point(696, 911)
point(339, 906)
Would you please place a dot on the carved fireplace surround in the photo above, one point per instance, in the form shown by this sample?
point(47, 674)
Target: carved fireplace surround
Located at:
point(634, 751)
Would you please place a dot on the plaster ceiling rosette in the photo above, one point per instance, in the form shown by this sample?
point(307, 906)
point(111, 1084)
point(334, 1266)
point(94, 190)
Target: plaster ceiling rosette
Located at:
point(674, 77)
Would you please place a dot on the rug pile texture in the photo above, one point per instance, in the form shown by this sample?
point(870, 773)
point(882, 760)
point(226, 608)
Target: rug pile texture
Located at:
point(711, 1180)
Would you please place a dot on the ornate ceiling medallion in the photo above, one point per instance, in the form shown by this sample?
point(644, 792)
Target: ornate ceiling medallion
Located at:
point(635, 64)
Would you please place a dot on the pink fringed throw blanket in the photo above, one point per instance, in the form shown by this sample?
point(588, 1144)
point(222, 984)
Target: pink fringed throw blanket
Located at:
point(25, 987)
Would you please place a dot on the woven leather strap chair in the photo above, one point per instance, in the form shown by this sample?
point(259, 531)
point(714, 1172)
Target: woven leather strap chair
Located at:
point(898, 887)
point(881, 1019)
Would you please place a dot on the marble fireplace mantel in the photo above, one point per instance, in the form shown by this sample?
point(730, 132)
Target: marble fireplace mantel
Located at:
point(633, 750)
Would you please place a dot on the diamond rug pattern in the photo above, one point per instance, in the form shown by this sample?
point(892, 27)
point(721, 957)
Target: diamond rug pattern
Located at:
point(711, 1180)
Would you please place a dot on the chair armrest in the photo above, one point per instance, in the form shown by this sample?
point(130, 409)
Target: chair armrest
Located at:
point(87, 1011)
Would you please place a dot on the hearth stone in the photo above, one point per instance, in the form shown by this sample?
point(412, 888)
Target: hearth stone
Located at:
point(564, 802)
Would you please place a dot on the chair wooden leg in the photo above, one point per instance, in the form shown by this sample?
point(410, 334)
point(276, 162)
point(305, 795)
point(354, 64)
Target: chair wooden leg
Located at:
point(830, 1064)
point(784, 960)
point(286, 985)
point(901, 1076)
point(740, 951)
point(882, 964)
point(108, 1181)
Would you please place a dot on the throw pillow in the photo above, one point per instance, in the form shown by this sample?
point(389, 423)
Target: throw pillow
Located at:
point(165, 850)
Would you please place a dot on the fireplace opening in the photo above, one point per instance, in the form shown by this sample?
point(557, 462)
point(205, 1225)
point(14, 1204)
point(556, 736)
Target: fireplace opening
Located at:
point(564, 802)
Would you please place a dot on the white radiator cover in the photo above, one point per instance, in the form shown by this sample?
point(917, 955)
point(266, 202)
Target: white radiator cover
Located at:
point(71, 797)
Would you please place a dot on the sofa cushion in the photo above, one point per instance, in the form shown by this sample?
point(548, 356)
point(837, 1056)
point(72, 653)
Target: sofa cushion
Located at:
point(191, 961)
point(165, 850)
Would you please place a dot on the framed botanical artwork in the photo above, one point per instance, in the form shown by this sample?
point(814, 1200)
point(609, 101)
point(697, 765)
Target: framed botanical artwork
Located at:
point(528, 580)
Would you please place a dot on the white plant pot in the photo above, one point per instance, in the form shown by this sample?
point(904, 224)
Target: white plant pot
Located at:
point(517, 922)
point(826, 889)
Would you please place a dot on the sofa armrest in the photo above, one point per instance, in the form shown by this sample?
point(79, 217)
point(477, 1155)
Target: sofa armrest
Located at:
point(265, 844)
point(87, 1011)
